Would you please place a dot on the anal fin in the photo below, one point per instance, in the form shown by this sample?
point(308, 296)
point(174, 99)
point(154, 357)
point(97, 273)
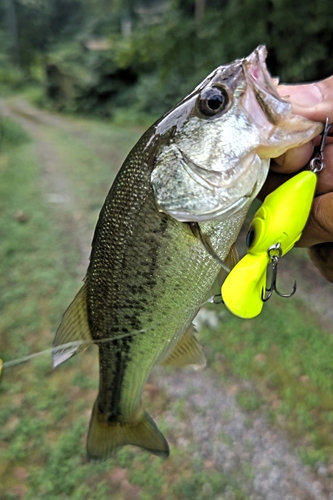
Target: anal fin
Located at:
point(187, 352)
point(73, 334)
point(105, 438)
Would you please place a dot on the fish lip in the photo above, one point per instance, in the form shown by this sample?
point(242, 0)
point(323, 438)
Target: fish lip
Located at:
point(254, 67)
point(218, 214)
point(257, 75)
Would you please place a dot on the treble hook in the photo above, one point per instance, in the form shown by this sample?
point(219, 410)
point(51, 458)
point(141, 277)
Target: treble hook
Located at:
point(274, 253)
point(317, 162)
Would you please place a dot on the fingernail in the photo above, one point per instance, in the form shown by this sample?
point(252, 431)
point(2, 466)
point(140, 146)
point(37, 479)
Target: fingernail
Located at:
point(302, 95)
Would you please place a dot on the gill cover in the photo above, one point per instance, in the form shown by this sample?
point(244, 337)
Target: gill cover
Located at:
point(280, 219)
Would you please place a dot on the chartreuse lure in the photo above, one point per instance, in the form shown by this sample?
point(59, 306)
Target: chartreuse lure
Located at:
point(276, 227)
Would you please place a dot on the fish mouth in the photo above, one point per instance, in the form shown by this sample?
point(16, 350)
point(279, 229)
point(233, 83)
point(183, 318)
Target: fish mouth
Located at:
point(257, 74)
point(264, 103)
point(270, 112)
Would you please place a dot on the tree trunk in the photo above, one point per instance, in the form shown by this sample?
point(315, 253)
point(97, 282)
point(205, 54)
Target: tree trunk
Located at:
point(199, 9)
point(13, 33)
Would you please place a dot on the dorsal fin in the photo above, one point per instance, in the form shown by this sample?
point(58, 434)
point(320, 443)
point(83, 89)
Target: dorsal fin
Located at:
point(73, 334)
point(187, 352)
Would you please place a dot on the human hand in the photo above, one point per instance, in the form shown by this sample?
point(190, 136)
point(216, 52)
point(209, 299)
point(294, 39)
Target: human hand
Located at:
point(313, 101)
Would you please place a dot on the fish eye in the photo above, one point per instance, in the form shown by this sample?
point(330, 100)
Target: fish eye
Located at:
point(212, 101)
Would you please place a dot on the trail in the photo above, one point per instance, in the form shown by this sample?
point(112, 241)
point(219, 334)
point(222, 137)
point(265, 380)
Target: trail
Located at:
point(229, 440)
point(53, 183)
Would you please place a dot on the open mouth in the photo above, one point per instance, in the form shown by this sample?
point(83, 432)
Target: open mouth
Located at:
point(255, 69)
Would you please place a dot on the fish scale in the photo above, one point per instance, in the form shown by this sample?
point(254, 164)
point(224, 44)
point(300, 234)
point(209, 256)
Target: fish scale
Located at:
point(154, 265)
point(202, 163)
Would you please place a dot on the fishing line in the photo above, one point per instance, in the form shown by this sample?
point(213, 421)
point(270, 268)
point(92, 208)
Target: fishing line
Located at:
point(74, 345)
point(64, 347)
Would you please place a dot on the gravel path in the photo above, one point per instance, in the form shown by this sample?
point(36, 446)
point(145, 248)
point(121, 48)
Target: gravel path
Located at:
point(235, 444)
point(225, 437)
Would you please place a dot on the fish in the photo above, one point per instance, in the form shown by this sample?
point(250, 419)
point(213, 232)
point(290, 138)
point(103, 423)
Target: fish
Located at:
point(167, 227)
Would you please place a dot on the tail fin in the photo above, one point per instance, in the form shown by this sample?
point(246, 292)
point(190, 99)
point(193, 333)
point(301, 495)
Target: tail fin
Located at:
point(104, 438)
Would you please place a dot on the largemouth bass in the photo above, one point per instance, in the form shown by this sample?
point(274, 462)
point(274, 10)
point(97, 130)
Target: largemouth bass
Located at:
point(191, 176)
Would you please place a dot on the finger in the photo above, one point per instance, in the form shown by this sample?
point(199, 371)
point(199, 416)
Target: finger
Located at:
point(297, 158)
point(314, 100)
point(325, 177)
point(301, 97)
point(319, 228)
point(322, 257)
point(273, 181)
point(294, 159)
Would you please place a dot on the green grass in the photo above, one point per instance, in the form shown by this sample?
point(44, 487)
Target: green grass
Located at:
point(288, 356)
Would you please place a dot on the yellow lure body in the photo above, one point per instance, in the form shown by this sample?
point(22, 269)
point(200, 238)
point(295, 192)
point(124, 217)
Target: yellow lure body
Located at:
point(280, 219)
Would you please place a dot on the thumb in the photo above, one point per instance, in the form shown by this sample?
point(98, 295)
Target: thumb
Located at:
point(322, 257)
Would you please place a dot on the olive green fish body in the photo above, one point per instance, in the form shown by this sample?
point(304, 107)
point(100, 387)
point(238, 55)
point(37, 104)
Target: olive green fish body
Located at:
point(200, 166)
point(147, 278)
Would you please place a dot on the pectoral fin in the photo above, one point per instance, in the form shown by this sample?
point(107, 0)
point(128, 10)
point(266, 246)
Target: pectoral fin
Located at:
point(73, 334)
point(231, 260)
point(187, 352)
point(105, 437)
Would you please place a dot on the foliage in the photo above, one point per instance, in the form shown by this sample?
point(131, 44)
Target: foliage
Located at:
point(11, 77)
point(155, 51)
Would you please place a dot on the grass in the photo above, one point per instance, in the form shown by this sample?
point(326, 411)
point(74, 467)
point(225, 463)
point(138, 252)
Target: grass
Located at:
point(283, 355)
point(287, 355)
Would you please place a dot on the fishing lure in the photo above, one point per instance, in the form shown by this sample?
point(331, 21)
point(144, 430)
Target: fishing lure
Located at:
point(275, 228)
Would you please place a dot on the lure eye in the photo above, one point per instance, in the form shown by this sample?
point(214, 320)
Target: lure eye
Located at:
point(212, 101)
point(250, 237)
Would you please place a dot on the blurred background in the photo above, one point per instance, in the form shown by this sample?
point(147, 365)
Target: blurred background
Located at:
point(94, 56)
point(80, 81)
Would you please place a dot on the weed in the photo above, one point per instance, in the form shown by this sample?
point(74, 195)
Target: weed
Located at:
point(11, 134)
point(249, 400)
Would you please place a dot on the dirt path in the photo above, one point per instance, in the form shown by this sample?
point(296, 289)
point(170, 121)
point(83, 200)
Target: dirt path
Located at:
point(231, 442)
point(54, 185)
